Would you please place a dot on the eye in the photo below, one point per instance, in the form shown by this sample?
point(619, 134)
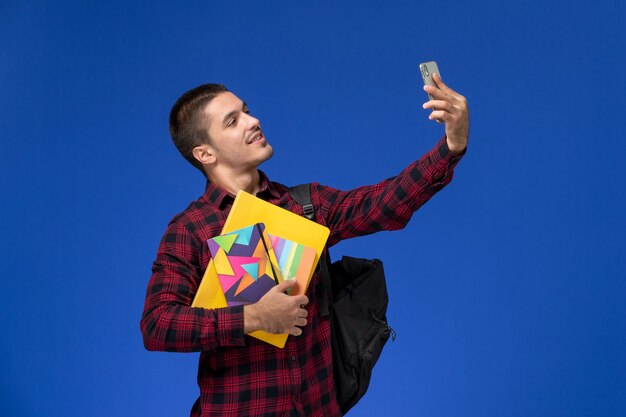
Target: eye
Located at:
point(231, 122)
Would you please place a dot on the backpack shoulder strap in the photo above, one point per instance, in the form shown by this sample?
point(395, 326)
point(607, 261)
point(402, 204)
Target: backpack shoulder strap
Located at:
point(302, 195)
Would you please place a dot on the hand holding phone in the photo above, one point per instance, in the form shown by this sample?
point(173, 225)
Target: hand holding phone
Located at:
point(447, 106)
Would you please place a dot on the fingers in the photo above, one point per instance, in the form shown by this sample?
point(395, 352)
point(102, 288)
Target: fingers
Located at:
point(300, 317)
point(284, 286)
point(443, 95)
point(443, 87)
point(296, 331)
point(301, 300)
point(446, 105)
point(439, 82)
point(439, 115)
point(296, 324)
point(282, 313)
point(438, 104)
point(442, 110)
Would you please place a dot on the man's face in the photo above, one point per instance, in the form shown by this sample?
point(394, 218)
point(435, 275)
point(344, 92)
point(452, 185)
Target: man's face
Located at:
point(236, 137)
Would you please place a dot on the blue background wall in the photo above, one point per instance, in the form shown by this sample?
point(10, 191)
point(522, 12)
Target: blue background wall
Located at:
point(507, 290)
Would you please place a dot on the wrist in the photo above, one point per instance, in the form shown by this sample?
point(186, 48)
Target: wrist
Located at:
point(456, 147)
point(251, 319)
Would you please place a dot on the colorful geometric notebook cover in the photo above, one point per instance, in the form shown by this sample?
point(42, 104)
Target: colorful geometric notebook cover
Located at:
point(295, 261)
point(245, 263)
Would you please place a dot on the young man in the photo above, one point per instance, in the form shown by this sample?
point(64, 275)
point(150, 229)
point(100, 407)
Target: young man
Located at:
point(239, 375)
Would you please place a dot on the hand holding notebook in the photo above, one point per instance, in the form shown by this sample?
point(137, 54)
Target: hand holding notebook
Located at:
point(248, 210)
point(277, 312)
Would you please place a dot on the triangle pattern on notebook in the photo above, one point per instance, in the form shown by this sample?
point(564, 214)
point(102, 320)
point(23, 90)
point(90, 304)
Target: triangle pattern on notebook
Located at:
point(252, 270)
point(245, 282)
point(227, 281)
point(222, 265)
point(244, 235)
point(226, 241)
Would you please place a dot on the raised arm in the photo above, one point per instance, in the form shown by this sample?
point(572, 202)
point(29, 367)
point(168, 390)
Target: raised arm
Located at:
point(390, 204)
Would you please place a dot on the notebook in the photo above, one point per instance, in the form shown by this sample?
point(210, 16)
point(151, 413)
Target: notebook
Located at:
point(245, 264)
point(248, 210)
point(295, 261)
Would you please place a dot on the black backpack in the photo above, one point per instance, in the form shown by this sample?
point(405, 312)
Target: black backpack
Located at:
point(354, 295)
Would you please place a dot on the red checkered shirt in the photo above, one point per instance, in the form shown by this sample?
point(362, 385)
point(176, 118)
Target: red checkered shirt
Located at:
point(243, 376)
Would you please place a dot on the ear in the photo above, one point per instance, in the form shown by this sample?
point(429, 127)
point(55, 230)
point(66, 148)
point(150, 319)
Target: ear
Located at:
point(205, 154)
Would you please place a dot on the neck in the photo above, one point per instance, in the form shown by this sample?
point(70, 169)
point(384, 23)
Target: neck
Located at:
point(233, 182)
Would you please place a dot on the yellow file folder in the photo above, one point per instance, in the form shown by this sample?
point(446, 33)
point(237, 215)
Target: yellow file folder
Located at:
point(247, 210)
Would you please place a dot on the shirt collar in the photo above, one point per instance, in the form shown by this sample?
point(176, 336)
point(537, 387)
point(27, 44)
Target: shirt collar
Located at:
point(217, 195)
point(267, 186)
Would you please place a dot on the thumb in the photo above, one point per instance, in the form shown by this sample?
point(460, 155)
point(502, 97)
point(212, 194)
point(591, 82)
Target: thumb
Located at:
point(285, 285)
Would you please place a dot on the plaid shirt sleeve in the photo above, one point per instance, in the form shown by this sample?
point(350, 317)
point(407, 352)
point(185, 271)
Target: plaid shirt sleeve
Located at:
point(168, 322)
point(389, 204)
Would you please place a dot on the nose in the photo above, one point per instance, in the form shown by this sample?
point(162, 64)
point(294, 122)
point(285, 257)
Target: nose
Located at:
point(253, 122)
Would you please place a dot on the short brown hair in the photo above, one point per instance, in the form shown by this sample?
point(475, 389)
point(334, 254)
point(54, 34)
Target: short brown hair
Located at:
point(187, 125)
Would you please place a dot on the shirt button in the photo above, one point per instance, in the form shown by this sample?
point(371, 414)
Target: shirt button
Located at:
point(293, 358)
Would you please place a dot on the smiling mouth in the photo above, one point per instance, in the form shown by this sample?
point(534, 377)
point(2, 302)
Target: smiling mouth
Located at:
point(257, 137)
